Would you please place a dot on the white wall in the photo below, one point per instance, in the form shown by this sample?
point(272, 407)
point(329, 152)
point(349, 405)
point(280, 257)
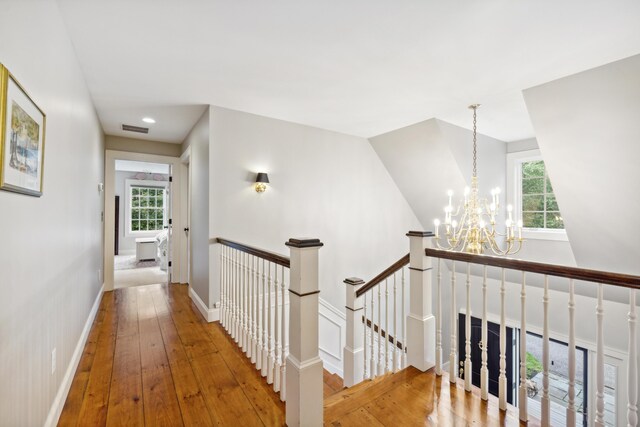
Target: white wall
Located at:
point(323, 184)
point(50, 251)
point(198, 141)
point(428, 158)
point(588, 130)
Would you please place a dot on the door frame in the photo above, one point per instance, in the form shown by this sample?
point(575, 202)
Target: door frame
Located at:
point(109, 218)
point(185, 213)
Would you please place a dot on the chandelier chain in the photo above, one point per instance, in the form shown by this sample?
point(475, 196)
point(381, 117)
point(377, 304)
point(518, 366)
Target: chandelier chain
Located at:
point(475, 144)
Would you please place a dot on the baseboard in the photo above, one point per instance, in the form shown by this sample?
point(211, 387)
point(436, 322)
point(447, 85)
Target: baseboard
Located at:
point(210, 314)
point(65, 385)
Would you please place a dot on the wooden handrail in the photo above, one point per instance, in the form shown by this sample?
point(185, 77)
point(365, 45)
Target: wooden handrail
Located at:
point(596, 276)
point(380, 277)
point(261, 253)
point(383, 333)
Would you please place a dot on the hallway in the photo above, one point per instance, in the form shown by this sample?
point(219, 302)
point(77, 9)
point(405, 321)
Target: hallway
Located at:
point(150, 359)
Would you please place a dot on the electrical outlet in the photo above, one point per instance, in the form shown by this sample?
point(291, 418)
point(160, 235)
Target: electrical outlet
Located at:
point(53, 361)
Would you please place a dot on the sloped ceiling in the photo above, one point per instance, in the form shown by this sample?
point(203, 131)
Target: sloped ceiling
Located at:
point(588, 130)
point(431, 157)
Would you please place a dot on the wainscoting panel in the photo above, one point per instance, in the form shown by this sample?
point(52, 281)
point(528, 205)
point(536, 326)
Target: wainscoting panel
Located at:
point(332, 324)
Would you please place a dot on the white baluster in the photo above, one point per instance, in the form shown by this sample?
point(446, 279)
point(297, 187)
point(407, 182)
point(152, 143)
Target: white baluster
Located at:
point(364, 338)
point(386, 326)
point(380, 350)
point(372, 331)
point(545, 402)
point(453, 353)
point(266, 303)
point(284, 326)
point(502, 378)
point(250, 347)
point(221, 285)
point(404, 326)
point(256, 311)
point(571, 407)
point(394, 362)
point(245, 290)
point(259, 317)
point(599, 422)
point(243, 309)
point(484, 371)
point(522, 403)
point(236, 298)
point(632, 384)
point(467, 331)
point(270, 330)
point(277, 320)
point(227, 280)
point(438, 320)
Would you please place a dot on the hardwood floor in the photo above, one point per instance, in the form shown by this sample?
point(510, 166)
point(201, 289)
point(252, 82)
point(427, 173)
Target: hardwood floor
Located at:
point(151, 359)
point(414, 398)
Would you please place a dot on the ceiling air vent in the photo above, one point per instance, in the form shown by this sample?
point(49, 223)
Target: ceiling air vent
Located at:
point(135, 129)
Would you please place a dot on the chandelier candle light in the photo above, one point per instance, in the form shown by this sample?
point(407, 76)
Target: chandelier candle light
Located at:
point(472, 227)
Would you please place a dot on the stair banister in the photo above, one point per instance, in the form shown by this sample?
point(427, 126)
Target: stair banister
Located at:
point(283, 345)
point(304, 366)
point(421, 323)
point(353, 371)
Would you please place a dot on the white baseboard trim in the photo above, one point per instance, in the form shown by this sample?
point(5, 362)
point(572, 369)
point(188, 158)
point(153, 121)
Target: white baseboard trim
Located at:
point(210, 314)
point(65, 385)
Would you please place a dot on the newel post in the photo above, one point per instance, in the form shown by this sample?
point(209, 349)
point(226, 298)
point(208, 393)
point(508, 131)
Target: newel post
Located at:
point(304, 366)
point(354, 346)
point(421, 324)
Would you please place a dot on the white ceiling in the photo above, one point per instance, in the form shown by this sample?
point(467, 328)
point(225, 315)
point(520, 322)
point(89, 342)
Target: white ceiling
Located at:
point(362, 67)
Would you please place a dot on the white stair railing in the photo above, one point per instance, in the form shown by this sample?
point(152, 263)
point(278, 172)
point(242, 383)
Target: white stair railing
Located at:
point(269, 306)
point(599, 278)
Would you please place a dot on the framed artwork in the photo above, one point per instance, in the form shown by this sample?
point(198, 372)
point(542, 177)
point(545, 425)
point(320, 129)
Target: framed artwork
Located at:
point(22, 130)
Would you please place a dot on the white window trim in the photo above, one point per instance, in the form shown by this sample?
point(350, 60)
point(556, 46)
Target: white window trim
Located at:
point(127, 205)
point(514, 185)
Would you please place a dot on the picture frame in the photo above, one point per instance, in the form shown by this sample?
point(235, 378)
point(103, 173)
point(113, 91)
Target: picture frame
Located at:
point(22, 138)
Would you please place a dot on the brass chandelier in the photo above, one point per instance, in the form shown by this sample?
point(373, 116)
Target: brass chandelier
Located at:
point(471, 227)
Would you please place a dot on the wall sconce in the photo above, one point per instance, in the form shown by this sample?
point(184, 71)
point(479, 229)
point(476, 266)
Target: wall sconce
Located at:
point(261, 182)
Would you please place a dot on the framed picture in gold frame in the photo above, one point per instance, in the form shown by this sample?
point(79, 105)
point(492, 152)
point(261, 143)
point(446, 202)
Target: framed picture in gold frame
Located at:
point(22, 131)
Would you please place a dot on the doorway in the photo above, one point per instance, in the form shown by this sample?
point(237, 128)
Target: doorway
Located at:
point(493, 355)
point(148, 209)
point(142, 216)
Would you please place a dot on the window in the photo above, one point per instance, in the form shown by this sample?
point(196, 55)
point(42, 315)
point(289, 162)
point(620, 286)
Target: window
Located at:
point(539, 205)
point(531, 193)
point(147, 208)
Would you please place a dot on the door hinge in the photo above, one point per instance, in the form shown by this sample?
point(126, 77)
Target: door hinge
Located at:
point(169, 263)
point(170, 179)
point(170, 221)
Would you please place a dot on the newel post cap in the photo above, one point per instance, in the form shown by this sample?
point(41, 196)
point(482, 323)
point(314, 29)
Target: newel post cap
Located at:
point(421, 234)
point(353, 281)
point(304, 242)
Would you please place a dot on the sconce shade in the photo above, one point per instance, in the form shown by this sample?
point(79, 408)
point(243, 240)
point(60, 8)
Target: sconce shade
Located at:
point(262, 177)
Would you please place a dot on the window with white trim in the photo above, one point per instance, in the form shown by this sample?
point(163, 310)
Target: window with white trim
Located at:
point(532, 195)
point(539, 205)
point(147, 208)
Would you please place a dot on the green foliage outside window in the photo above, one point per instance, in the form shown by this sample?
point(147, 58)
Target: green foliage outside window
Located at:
point(539, 206)
point(147, 209)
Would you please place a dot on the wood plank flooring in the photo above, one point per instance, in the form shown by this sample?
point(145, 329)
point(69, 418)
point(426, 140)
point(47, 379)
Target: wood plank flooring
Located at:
point(414, 398)
point(151, 359)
